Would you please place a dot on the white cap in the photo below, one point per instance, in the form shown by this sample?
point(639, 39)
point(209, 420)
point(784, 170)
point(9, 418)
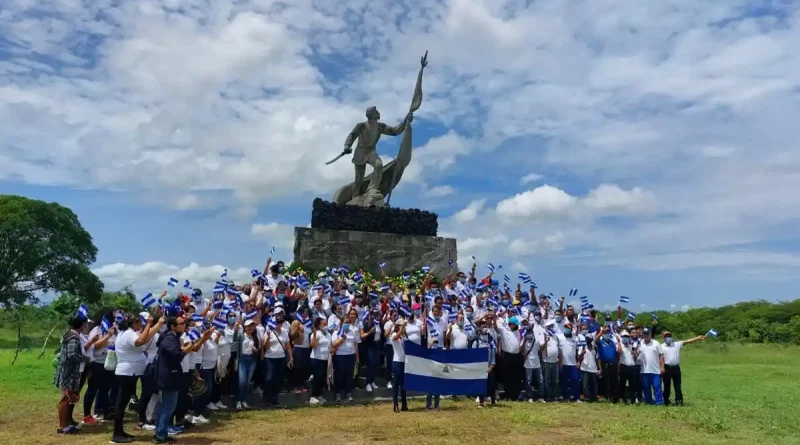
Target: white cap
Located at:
point(248, 323)
point(624, 334)
point(278, 310)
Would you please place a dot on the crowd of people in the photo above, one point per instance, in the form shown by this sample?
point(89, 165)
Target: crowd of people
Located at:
point(294, 333)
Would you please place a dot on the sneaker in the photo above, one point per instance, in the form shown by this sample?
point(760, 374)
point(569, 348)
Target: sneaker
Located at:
point(189, 418)
point(98, 417)
point(389, 385)
point(369, 387)
point(313, 401)
point(238, 405)
point(212, 407)
point(221, 405)
point(245, 405)
point(322, 400)
point(337, 398)
point(477, 400)
point(480, 405)
point(121, 439)
point(165, 440)
point(89, 420)
point(200, 420)
point(349, 397)
point(543, 400)
point(530, 400)
point(174, 430)
point(147, 427)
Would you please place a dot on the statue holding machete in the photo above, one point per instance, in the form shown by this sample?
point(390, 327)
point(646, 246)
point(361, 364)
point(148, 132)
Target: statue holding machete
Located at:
point(368, 133)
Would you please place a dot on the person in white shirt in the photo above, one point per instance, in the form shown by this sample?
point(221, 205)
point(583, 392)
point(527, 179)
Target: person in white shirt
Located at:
point(320, 356)
point(627, 369)
point(511, 360)
point(148, 385)
point(671, 352)
point(276, 348)
point(225, 363)
point(300, 336)
point(345, 360)
point(590, 369)
point(652, 368)
point(100, 379)
point(456, 337)
point(397, 337)
point(208, 366)
point(249, 353)
point(551, 355)
point(570, 389)
point(275, 276)
point(131, 363)
point(388, 351)
point(531, 345)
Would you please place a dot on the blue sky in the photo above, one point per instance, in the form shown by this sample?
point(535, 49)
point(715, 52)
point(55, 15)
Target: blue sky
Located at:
point(642, 149)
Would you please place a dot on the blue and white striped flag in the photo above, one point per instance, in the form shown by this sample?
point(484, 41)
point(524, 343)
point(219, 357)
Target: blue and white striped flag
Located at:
point(197, 317)
point(631, 315)
point(584, 299)
point(574, 292)
point(172, 282)
point(119, 318)
point(344, 270)
point(525, 278)
point(251, 315)
point(382, 265)
point(492, 268)
point(224, 275)
point(306, 322)
point(585, 306)
point(271, 323)
point(219, 323)
point(654, 316)
point(432, 326)
point(425, 269)
point(83, 312)
point(446, 371)
point(405, 311)
point(506, 278)
point(105, 325)
point(344, 300)
point(385, 287)
point(624, 300)
point(712, 333)
point(148, 301)
point(272, 251)
point(187, 284)
point(452, 316)
point(193, 335)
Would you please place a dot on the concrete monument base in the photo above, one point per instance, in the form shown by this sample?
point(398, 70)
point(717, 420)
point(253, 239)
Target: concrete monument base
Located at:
point(320, 248)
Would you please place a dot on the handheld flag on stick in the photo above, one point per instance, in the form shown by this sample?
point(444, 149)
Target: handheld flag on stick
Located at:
point(172, 282)
point(712, 333)
point(624, 300)
point(631, 315)
point(382, 265)
point(655, 317)
point(187, 284)
point(83, 312)
point(574, 292)
point(525, 278)
point(105, 325)
point(148, 301)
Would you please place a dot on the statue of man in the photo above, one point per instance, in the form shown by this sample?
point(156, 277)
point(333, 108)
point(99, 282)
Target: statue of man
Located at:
point(368, 133)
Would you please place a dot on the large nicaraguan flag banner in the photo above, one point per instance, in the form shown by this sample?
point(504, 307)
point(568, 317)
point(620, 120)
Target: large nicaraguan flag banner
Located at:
point(446, 371)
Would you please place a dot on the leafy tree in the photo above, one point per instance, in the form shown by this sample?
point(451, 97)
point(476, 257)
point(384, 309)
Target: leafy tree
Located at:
point(43, 248)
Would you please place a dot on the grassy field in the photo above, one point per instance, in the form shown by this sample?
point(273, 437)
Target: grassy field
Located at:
point(735, 394)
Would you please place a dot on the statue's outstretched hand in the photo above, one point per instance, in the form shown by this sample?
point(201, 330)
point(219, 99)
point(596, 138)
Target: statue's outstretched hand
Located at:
point(424, 60)
point(348, 150)
point(410, 118)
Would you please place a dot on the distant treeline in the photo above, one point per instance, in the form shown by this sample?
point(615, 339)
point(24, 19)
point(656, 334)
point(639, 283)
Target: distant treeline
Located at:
point(752, 321)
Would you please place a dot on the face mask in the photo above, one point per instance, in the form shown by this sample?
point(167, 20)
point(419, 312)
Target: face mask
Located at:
point(668, 341)
point(351, 289)
point(568, 332)
point(462, 280)
point(413, 293)
point(626, 341)
point(339, 313)
point(538, 319)
point(231, 320)
point(437, 317)
point(460, 323)
point(346, 328)
point(323, 327)
point(559, 319)
point(470, 315)
point(281, 269)
point(281, 297)
point(417, 313)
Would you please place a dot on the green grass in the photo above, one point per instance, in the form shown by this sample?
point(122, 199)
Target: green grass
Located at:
point(735, 394)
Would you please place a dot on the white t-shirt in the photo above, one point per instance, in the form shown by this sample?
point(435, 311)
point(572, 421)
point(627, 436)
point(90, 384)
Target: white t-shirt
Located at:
point(626, 356)
point(589, 362)
point(351, 338)
point(532, 346)
point(99, 354)
point(569, 350)
point(272, 282)
point(551, 351)
point(323, 348)
point(414, 334)
point(130, 358)
point(247, 344)
point(510, 339)
point(277, 341)
point(458, 338)
point(210, 349)
point(399, 355)
point(672, 354)
point(388, 327)
point(650, 357)
point(188, 358)
point(225, 342)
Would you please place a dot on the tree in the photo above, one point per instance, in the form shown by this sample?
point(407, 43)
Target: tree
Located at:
point(43, 248)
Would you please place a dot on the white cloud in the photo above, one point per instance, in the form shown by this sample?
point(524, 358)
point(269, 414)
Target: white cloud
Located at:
point(470, 212)
point(542, 201)
point(440, 191)
point(280, 235)
point(530, 177)
point(152, 276)
point(611, 198)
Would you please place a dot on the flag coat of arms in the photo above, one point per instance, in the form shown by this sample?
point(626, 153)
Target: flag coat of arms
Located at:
point(446, 371)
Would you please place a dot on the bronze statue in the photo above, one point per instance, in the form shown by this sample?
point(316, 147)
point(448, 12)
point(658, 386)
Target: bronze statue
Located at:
point(383, 179)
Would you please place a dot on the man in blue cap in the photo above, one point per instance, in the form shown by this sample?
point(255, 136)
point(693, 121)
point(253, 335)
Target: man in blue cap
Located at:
point(511, 357)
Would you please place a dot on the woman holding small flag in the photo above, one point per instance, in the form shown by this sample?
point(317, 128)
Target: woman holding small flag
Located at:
point(300, 333)
point(100, 379)
point(397, 337)
point(346, 357)
point(320, 353)
point(248, 353)
point(135, 333)
point(371, 341)
point(275, 350)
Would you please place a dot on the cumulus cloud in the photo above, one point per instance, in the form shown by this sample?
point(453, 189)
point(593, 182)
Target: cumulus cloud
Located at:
point(544, 201)
point(470, 212)
point(280, 235)
point(530, 177)
point(153, 276)
point(440, 191)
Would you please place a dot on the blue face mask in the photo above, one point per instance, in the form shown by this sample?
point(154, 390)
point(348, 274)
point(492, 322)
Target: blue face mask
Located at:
point(559, 319)
point(281, 297)
point(462, 280)
point(437, 317)
point(231, 320)
point(668, 341)
point(626, 341)
point(417, 313)
point(413, 293)
point(346, 328)
point(460, 323)
point(469, 315)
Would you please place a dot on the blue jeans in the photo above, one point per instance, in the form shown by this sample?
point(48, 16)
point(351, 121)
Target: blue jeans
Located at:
point(273, 380)
point(654, 381)
point(570, 386)
point(169, 400)
point(373, 361)
point(343, 368)
point(533, 376)
point(398, 382)
point(247, 365)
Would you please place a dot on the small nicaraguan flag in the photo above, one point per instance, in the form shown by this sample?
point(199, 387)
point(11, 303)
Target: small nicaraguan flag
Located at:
point(405, 311)
point(382, 265)
point(506, 278)
point(254, 273)
point(446, 371)
point(187, 284)
point(452, 316)
point(219, 323)
point(385, 287)
point(344, 300)
point(373, 295)
point(584, 299)
point(251, 315)
point(344, 269)
point(623, 299)
point(83, 312)
point(218, 305)
point(450, 263)
point(272, 251)
point(447, 307)
point(631, 315)
point(574, 292)
point(148, 301)
point(234, 292)
point(119, 318)
point(224, 275)
point(197, 317)
point(406, 276)
point(105, 325)
point(473, 258)
point(655, 317)
point(172, 282)
point(525, 278)
point(193, 335)
point(712, 333)
point(426, 269)
point(432, 326)
point(271, 323)
point(551, 332)
point(492, 268)
point(357, 277)
point(306, 322)
point(316, 288)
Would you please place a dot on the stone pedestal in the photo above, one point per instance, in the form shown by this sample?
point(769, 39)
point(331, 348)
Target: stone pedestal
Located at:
point(319, 248)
